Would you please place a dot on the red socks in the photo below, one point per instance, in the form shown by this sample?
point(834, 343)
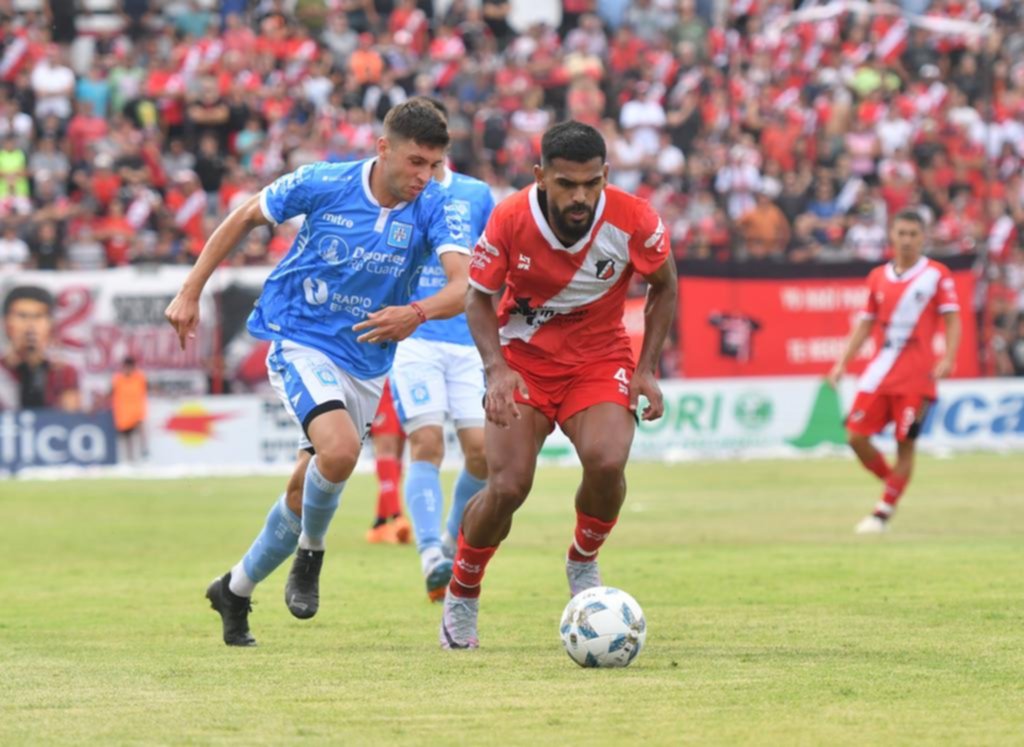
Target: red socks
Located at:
point(894, 487)
point(468, 571)
point(389, 473)
point(878, 467)
point(590, 535)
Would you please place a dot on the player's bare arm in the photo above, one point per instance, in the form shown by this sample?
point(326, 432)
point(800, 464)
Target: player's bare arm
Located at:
point(953, 332)
point(857, 338)
point(398, 322)
point(658, 314)
point(502, 381)
point(183, 311)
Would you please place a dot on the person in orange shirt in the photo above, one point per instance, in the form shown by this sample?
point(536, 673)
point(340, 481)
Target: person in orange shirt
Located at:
point(365, 64)
point(765, 229)
point(128, 400)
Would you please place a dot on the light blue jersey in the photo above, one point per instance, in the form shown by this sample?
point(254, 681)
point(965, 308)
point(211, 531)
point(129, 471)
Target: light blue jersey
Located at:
point(473, 202)
point(350, 257)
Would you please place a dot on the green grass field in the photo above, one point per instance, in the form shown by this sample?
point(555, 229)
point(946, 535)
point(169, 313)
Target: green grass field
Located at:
point(770, 622)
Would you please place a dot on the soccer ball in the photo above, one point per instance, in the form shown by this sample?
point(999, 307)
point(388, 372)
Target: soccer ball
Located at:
point(603, 627)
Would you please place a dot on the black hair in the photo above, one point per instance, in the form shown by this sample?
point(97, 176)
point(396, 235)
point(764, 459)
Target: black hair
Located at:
point(910, 214)
point(29, 293)
point(573, 141)
point(419, 121)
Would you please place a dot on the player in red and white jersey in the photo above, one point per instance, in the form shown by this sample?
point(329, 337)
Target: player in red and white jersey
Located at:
point(561, 254)
point(907, 299)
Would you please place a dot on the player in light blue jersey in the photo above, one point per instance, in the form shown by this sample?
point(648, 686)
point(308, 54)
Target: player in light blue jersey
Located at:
point(437, 374)
point(334, 309)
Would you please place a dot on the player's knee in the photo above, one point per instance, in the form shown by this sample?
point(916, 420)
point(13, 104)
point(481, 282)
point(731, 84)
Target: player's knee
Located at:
point(336, 462)
point(604, 466)
point(509, 490)
point(476, 462)
point(856, 440)
point(427, 445)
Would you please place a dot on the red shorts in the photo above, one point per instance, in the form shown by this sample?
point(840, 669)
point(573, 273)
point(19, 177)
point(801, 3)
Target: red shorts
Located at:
point(560, 393)
point(385, 422)
point(872, 411)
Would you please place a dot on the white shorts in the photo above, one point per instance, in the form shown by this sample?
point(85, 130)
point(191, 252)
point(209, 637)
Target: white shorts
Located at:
point(310, 383)
point(431, 379)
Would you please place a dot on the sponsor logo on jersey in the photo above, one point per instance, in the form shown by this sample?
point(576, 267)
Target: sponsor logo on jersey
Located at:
point(400, 235)
point(333, 250)
point(523, 263)
point(453, 220)
point(605, 269)
point(338, 220)
point(315, 291)
point(656, 238)
point(488, 246)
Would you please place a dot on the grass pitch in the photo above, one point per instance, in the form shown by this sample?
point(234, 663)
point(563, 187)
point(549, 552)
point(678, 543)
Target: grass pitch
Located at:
point(770, 622)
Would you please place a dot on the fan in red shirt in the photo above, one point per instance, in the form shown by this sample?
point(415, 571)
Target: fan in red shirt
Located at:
point(907, 299)
point(561, 253)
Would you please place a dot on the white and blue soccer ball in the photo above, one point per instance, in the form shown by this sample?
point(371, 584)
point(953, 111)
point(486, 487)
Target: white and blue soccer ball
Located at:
point(603, 627)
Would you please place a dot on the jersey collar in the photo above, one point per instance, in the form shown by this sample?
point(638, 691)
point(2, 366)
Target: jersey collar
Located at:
point(545, 228)
point(368, 193)
point(449, 175)
point(909, 274)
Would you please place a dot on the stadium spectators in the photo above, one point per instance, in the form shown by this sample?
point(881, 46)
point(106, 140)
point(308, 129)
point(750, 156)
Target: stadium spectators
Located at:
point(758, 134)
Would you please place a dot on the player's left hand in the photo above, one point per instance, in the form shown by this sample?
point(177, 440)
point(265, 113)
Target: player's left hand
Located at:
point(942, 369)
point(646, 383)
point(391, 324)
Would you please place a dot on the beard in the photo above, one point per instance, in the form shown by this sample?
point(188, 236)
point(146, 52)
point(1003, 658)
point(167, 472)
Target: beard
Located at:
point(569, 228)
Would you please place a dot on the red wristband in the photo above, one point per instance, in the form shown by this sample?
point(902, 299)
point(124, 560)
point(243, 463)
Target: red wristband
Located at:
point(419, 311)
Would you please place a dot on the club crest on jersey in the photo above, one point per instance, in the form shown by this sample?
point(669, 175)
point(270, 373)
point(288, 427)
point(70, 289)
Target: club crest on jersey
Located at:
point(605, 269)
point(400, 235)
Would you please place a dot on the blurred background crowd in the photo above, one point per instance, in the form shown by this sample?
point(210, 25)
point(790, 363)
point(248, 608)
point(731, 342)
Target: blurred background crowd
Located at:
point(129, 129)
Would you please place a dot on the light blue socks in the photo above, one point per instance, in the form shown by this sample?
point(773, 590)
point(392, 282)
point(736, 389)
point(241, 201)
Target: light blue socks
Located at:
point(320, 499)
point(423, 501)
point(466, 486)
point(273, 545)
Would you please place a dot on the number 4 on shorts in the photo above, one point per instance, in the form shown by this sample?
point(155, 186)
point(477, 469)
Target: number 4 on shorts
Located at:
point(622, 376)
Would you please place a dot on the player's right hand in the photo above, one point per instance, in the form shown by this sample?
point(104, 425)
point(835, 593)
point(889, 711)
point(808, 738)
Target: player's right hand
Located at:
point(499, 399)
point(835, 375)
point(183, 314)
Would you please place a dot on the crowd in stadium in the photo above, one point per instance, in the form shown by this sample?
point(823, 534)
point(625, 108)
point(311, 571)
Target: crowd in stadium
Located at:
point(128, 130)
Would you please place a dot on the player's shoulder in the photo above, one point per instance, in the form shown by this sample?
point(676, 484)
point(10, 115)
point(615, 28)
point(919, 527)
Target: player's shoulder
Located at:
point(878, 273)
point(934, 264)
point(515, 207)
point(626, 211)
point(327, 177)
point(463, 184)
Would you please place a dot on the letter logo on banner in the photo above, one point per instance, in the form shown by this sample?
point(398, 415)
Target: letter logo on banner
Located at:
point(50, 438)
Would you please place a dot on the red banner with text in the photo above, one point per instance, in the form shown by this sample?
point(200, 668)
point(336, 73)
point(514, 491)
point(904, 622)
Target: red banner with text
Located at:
point(737, 320)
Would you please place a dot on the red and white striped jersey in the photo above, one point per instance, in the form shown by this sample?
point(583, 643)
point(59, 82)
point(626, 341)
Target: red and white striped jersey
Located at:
point(565, 304)
point(907, 309)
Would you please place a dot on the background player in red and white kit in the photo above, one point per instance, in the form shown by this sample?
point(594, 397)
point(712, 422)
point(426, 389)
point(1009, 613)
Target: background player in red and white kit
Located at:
point(562, 253)
point(389, 525)
point(906, 299)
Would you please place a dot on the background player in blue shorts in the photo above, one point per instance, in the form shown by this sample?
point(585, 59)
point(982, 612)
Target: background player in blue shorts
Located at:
point(334, 309)
point(438, 373)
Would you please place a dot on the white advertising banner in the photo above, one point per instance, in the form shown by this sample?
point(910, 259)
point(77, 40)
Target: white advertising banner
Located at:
point(704, 419)
point(795, 416)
